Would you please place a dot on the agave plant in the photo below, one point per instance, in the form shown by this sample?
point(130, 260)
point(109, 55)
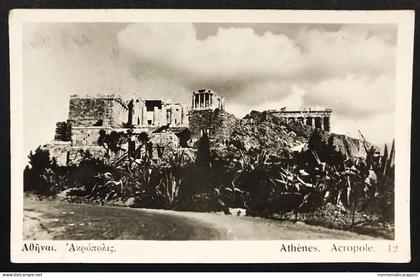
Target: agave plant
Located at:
point(272, 188)
point(106, 188)
point(296, 190)
point(382, 167)
point(168, 189)
point(363, 183)
point(171, 178)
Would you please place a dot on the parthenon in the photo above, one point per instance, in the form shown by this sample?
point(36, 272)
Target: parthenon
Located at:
point(204, 99)
point(316, 118)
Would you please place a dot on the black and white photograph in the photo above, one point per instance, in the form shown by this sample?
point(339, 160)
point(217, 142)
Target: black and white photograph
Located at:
point(213, 130)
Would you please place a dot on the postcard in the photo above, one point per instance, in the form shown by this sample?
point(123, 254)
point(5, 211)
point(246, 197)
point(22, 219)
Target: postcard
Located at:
point(210, 136)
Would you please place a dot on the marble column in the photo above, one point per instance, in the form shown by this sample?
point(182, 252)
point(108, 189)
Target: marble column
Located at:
point(144, 115)
point(156, 116)
point(204, 99)
point(163, 119)
point(172, 116)
point(182, 116)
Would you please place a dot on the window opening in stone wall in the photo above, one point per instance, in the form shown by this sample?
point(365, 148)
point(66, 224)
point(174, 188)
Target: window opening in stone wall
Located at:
point(100, 122)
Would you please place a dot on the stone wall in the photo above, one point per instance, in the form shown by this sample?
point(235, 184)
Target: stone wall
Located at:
point(87, 136)
point(62, 131)
point(217, 124)
point(97, 111)
point(119, 113)
point(59, 151)
point(76, 153)
point(163, 139)
point(64, 153)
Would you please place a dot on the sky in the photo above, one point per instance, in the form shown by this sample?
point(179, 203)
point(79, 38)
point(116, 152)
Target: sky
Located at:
point(349, 68)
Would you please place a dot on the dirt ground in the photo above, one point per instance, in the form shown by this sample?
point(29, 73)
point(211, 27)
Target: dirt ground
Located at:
point(64, 221)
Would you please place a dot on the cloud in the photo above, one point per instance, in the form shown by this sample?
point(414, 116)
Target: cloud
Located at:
point(241, 62)
point(349, 68)
point(353, 96)
point(378, 129)
point(236, 53)
point(344, 52)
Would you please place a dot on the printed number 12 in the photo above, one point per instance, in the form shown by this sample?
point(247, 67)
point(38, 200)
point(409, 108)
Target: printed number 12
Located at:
point(392, 248)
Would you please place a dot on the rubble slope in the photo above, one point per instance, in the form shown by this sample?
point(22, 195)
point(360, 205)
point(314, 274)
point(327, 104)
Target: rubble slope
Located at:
point(263, 131)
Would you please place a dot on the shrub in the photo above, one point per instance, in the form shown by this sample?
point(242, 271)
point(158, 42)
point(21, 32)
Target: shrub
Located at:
point(39, 176)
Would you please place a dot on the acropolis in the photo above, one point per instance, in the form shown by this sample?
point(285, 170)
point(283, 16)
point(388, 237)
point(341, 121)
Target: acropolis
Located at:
point(163, 120)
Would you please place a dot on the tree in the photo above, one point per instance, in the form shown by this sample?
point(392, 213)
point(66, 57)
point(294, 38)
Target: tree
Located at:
point(203, 151)
point(334, 157)
point(39, 175)
point(111, 142)
point(325, 151)
point(39, 160)
point(114, 142)
point(184, 136)
point(316, 143)
point(144, 138)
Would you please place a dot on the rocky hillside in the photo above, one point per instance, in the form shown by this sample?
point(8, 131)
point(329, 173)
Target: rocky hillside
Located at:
point(260, 131)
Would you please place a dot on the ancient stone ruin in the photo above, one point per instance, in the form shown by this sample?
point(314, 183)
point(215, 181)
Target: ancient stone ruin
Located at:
point(162, 120)
point(112, 111)
point(208, 116)
point(317, 118)
point(109, 112)
point(206, 99)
